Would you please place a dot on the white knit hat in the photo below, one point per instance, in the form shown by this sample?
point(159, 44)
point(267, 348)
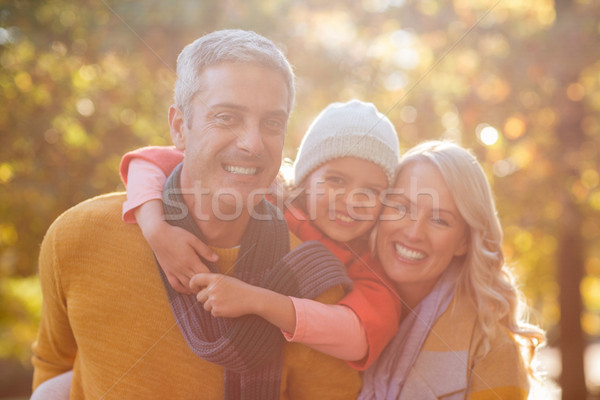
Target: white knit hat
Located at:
point(352, 129)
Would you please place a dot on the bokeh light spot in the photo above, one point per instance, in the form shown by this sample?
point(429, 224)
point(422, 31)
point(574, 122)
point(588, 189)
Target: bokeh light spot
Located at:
point(128, 116)
point(514, 127)
point(590, 178)
point(595, 200)
point(523, 241)
point(488, 135)
point(504, 168)
point(408, 114)
point(450, 120)
point(6, 173)
point(590, 323)
point(590, 289)
point(575, 92)
point(85, 107)
point(23, 81)
point(397, 80)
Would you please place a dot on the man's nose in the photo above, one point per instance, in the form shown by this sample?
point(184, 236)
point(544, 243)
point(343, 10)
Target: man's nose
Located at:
point(251, 140)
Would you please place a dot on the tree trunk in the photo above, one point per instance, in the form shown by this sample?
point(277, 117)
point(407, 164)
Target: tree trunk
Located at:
point(566, 39)
point(571, 247)
point(570, 273)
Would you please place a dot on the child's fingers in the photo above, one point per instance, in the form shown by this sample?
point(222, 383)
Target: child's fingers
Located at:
point(208, 306)
point(201, 280)
point(202, 296)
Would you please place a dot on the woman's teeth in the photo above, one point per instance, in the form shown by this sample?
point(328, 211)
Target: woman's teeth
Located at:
point(408, 253)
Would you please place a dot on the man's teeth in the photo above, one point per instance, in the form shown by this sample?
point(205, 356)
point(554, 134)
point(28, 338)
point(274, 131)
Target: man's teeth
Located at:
point(343, 218)
point(240, 170)
point(408, 253)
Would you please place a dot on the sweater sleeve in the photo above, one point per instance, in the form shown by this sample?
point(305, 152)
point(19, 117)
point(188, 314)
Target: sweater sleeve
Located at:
point(376, 304)
point(55, 348)
point(330, 329)
point(501, 373)
point(145, 183)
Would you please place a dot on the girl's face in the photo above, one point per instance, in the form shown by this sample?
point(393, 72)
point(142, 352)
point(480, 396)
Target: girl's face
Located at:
point(342, 197)
point(420, 234)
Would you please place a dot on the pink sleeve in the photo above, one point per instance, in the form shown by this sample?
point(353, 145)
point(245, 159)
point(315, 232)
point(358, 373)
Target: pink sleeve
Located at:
point(331, 329)
point(166, 157)
point(145, 182)
point(376, 304)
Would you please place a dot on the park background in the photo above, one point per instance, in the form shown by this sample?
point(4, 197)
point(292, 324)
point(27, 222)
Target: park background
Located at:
point(82, 82)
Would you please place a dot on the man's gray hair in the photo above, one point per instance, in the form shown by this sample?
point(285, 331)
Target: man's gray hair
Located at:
point(230, 45)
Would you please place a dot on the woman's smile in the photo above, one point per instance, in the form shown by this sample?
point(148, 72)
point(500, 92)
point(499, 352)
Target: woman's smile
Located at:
point(408, 254)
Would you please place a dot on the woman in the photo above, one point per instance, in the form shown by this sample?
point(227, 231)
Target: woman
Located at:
point(439, 240)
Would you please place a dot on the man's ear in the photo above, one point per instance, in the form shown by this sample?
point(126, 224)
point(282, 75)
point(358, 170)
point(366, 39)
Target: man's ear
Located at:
point(177, 127)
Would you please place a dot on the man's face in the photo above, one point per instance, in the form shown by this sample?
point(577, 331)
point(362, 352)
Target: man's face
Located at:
point(233, 139)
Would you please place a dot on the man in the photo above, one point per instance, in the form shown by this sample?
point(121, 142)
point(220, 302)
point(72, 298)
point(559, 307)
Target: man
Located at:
point(105, 313)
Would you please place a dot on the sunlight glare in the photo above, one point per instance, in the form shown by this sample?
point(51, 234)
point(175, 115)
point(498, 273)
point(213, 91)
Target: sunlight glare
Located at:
point(488, 135)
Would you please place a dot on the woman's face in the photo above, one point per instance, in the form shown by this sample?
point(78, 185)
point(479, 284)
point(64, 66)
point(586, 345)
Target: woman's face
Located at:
point(421, 232)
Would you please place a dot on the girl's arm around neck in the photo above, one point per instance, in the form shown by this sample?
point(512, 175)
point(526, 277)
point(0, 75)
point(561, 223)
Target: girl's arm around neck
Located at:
point(145, 182)
point(176, 250)
point(331, 329)
point(226, 296)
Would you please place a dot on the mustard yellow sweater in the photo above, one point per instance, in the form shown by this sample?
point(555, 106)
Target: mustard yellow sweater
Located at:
point(106, 316)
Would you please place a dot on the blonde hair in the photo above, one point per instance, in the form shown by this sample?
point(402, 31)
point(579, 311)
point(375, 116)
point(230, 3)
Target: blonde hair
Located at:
point(484, 277)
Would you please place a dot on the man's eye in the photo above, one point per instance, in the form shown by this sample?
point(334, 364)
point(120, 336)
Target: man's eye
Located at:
point(274, 125)
point(226, 119)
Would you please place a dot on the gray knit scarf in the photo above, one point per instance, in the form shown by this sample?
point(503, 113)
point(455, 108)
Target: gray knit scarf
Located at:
point(249, 348)
point(385, 379)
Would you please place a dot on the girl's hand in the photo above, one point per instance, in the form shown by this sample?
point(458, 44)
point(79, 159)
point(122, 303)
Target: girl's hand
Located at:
point(177, 250)
point(178, 253)
point(225, 296)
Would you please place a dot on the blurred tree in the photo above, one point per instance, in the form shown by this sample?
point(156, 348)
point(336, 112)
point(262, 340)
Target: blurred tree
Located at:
point(519, 82)
point(567, 40)
point(71, 103)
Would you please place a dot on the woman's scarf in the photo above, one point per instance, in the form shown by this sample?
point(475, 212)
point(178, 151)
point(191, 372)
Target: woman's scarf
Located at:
point(386, 378)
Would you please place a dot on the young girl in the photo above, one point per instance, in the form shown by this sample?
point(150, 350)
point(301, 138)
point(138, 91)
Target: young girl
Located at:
point(346, 159)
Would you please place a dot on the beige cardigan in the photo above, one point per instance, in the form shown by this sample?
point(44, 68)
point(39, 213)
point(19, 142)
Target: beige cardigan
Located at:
point(455, 342)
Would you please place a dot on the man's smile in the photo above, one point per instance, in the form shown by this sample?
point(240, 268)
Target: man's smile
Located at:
point(235, 169)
